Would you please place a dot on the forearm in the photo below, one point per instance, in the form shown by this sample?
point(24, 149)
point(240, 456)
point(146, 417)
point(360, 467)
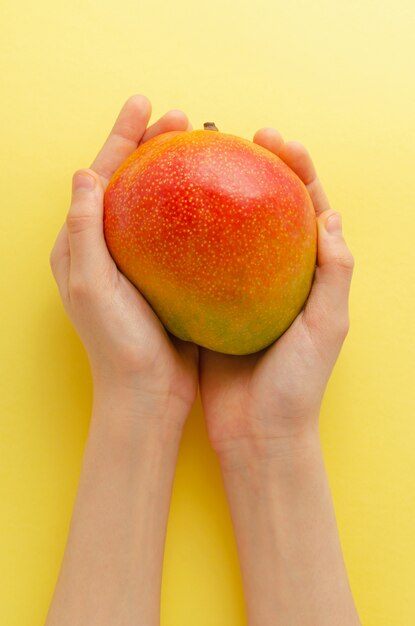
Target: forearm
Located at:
point(287, 538)
point(112, 567)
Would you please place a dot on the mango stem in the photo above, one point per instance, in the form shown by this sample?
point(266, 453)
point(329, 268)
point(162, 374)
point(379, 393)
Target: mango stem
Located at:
point(210, 126)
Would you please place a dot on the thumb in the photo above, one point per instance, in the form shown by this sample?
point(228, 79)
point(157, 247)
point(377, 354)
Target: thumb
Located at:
point(327, 311)
point(84, 223)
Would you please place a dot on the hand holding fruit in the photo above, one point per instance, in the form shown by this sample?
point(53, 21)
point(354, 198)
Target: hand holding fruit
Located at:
point(126, 344)
point(269, 394)
point(269, 402)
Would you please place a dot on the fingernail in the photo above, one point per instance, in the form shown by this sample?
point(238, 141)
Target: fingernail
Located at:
point(83, 180)
point(333, 223)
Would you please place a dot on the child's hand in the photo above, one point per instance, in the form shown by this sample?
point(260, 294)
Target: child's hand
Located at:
point(268, 402)
point(126, 344)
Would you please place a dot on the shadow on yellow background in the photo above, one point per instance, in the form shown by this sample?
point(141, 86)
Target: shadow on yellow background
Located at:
point(339, 77)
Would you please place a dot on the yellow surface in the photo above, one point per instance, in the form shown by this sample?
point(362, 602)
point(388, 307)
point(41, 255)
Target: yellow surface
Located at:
point(337, 76)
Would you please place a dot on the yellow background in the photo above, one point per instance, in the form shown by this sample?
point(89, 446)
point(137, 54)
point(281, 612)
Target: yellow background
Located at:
point(335, 75)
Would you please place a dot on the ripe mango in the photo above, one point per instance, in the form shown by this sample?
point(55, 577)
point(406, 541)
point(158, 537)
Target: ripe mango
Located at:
point(217, 233)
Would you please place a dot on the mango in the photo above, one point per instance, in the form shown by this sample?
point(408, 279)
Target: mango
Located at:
point(217, 233)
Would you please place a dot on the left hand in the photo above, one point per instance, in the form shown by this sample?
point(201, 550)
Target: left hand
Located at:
point(127, 346)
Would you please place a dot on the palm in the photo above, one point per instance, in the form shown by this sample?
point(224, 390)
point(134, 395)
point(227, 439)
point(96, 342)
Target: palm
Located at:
point(271, 384)
point(172, 362)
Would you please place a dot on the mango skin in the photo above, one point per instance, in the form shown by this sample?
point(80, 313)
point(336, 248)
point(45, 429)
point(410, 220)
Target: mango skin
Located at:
point(217, 233)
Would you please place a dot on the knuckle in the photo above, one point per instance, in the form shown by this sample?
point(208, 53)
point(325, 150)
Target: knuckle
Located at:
point(78, 172)
point(345, 262)
point(322, 323)
point(78, 222)
point(315, 319)
point(78, 288)
point(343, 327)
point(310, 319)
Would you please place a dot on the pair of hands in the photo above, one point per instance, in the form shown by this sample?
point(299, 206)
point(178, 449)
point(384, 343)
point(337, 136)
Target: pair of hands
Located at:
point(266, 400)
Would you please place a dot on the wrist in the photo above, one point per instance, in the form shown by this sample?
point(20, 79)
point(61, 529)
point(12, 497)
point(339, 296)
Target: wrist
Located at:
point(249, 454)
point(138, 403)
point(128, 447)
point(127, 416)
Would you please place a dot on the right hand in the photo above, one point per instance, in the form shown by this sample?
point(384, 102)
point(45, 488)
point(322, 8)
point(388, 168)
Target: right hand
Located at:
point(269, 401)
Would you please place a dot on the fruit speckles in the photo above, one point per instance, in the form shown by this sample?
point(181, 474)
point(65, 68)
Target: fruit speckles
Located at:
point(217, 233)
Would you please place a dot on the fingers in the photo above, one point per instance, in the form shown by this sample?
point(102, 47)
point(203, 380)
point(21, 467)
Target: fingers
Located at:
point(84, 222)
point(296, 156)
point(80, 248)
point(270, 139)
point(80, 244)
point(326, 312)
point(124, 137)
point(173, 120)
